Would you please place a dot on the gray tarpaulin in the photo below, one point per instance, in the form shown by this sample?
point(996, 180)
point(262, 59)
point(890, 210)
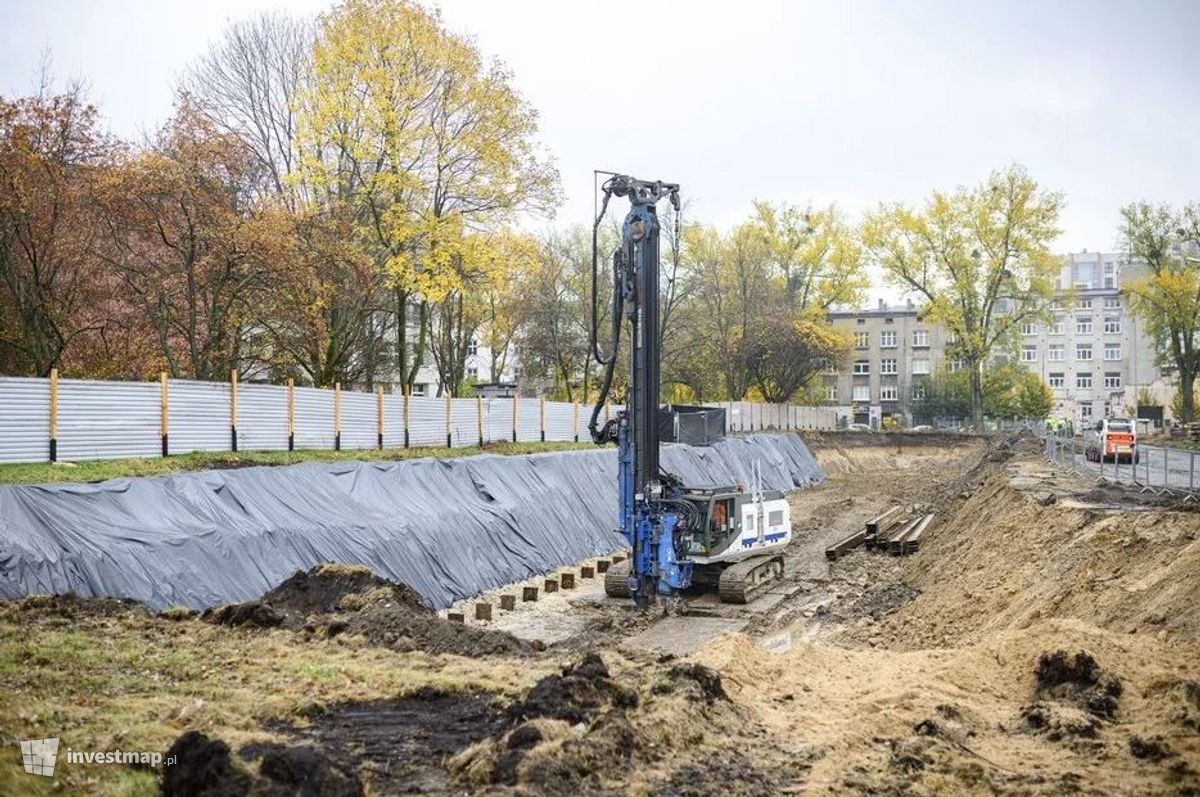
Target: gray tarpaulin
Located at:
point(448, 528)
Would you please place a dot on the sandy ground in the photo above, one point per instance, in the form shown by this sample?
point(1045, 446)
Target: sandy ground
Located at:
point(1045, 639)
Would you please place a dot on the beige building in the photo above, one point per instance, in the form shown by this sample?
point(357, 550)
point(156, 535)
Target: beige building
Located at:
point(1094, 355)
point(893, 348)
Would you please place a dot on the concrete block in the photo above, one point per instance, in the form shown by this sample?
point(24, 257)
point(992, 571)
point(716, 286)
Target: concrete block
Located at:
point(551, 585)
point(508, 602)
point(529, 593)
point(587, 572)
point(455, 617)
point(602, 565)
point(483, 611)
point(568, 580)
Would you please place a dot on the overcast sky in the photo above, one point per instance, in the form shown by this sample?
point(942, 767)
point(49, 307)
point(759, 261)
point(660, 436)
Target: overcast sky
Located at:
point(846, 102)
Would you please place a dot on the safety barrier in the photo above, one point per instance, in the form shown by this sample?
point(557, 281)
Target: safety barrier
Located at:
point(76, 419)
point(1157, 468)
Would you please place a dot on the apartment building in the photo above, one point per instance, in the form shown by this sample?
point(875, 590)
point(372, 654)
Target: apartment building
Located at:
point(1094, 354)
point(893, 347)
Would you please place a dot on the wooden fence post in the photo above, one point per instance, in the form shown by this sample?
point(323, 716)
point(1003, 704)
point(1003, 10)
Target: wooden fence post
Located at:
point(379, 416)
point(54, 415)
point(291, 413)
point(479, 417)
point(449, 420)
point(516, 400)
point(233, 384)
point(406, 416)
point(576, 421)
point(163, 413)
point(542, 415)
point(337, 416)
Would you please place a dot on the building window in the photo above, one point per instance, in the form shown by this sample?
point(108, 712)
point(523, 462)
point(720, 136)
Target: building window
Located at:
point(1085, 304)
point(1056, 353)
point(1112, 380)
point(888, 393)
point(1085, 410)
point(1059, 327)
point(1029, 329)
point(920, 337)
point(831, 392)
point(1083, 381)
point(1112, 326)
point(887, 339)
point(862, 340)
point(862, 392)
point(830, 367)
point(920, 366)
point(1057, 379)
point(957, 365)
point(420, 389)
point(473, 347)
point(888, 366)
point(1083, 351)
point(1029, 353)
point(472, 373)
point(1056, 305)
point(862, 367)
point(918, 391)
point(1112, 302)
point(1112, 351)
point(1083, 325)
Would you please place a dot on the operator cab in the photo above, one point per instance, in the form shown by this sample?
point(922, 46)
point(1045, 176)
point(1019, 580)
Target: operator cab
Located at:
point(727, 524)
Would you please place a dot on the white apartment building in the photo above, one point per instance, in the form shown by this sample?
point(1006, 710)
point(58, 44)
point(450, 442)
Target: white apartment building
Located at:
point(1094, 354)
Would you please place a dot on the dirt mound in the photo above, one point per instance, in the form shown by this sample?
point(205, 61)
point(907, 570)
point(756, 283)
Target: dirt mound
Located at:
point(585, 730)
point(1002, 559)
point(396, 627)
point(204, 768)
point(337, 599)
point(70, 606)
point(1078, 680)
point(322, 590)
point(583, 689)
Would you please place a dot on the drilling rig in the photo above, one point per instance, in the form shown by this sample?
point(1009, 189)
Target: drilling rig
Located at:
point(728, 536)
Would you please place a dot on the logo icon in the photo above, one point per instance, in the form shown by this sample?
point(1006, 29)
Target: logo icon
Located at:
point(39, 755)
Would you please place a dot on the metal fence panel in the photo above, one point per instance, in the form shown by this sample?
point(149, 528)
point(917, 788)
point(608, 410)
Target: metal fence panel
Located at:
point(560, 421)
point(498, 420)
point(106, 420)
point(24, 419)
point(393, 420)
point(360, 420)
point(314, 418)
point(427, 421)
point(262, 418)
point(529, 422)
point(464, 422)
point(199, 416)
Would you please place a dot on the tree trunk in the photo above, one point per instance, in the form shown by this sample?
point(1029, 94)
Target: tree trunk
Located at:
point(976, 391)
point(1187, 389)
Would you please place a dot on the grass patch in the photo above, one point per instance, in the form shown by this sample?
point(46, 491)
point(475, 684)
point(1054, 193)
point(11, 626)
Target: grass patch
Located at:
point(131, 680)
point(99, 470)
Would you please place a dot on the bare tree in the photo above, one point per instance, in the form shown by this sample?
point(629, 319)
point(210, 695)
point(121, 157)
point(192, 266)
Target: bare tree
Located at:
point(248, 82)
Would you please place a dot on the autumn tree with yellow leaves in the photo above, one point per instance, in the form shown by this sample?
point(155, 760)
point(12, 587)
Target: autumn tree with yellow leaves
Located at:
point(1167, 242)
point(979, 258)
point(429, 144)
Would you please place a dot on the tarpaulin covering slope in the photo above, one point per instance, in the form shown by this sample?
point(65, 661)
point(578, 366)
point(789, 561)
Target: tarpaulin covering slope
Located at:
point(449, 528)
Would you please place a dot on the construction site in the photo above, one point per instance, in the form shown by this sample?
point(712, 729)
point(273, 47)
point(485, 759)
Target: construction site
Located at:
point(1039, 636)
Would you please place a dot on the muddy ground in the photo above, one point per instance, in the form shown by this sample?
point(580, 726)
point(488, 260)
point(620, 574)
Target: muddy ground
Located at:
point(1045, 639)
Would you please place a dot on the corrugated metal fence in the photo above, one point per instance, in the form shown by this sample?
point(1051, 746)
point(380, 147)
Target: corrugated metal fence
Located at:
point(76, 419)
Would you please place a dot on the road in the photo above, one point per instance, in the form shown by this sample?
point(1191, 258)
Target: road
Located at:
point(1157, 466)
